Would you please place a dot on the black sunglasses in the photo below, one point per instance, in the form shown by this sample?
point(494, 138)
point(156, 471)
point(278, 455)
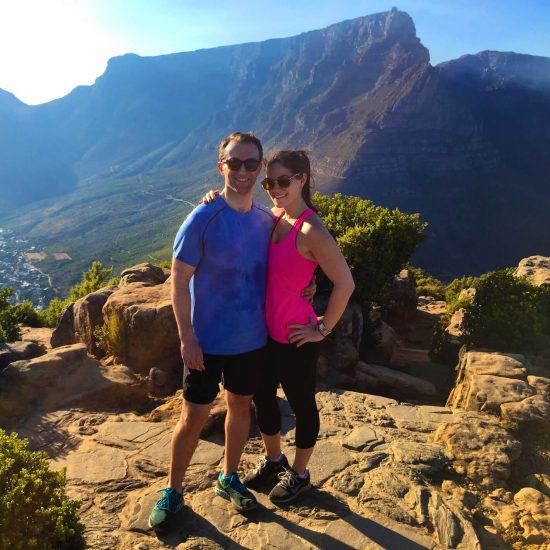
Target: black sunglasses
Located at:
point(250, 165)
point(282, 181)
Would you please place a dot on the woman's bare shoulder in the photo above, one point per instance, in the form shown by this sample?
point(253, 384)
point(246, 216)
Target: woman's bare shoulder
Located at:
point(313, 227)
point(277, 211)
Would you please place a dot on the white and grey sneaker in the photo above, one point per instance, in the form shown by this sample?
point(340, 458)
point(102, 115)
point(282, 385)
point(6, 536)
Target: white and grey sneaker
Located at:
point(290, 486)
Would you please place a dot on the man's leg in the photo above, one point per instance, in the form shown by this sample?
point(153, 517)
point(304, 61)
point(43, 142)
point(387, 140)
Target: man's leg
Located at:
point(237, 429)
point(185, 440)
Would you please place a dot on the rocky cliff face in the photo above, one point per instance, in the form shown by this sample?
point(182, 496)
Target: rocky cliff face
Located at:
point(464, 143)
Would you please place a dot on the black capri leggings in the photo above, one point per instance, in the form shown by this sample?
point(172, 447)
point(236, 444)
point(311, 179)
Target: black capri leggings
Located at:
point(294, 368)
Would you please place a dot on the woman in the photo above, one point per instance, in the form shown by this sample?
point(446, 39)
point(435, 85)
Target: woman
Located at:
point(299, 243)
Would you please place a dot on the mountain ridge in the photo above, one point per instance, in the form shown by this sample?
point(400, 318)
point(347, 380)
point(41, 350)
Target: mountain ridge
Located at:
point(380, 120)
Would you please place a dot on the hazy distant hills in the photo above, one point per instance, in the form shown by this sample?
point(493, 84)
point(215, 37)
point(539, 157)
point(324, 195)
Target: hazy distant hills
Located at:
point(465, 143)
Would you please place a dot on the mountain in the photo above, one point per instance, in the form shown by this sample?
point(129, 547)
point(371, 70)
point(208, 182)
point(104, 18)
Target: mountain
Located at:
point(464, 142)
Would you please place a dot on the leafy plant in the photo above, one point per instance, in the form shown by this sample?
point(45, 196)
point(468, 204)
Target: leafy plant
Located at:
point(375, 241)
point(35, 512)
point(109, 336)
point(9, 331)
point(27, 315)
point(506, 311)
point(426, 284)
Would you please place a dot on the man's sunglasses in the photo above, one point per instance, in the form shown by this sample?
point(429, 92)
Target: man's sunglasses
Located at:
point(282, 181)
point(250, 165)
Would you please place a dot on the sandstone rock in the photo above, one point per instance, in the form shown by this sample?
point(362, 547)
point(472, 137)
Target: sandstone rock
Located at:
point(540, 482)
point(16, 351)
point(541, 385)
point(456, 324)
point(386, 343)
point(341, 355)
point(144, 273)
point(390, 378)
point(426, 458)
point(528, 516)
point(487, 379)
point(362, 438)
point(401, 298)
point(350, 325)
point(536, 269)
point(63, 334)
point(71, 376)
point(39, 335)
point(88, 315)
point(533, 411)
point(134, 312)
point(480, 448)
point(327, 460)
point(97, 466)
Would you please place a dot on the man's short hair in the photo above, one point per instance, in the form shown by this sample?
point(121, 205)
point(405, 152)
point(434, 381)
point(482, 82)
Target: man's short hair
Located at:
point(241, 137)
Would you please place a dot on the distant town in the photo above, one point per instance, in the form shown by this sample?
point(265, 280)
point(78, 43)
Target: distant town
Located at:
point(17, 270)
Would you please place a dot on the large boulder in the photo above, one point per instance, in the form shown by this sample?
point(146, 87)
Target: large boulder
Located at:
point(63, 334)
point(16, 351)
point(143, 328)
point(480, 448)
point(536, 269)
point(88, 315)
point(71, 377)
point(500, 383)
point(401, 299)
point(144, 273)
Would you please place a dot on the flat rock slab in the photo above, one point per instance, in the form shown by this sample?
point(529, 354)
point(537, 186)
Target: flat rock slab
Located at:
point(327, 460)
point(508, 365)
point(428, 458)
point(276, 536)
point(207, 452)
point(363, 533)
point(129, 435)
point(426, 417)
point(140, 508)
point(95, 466)
point(361, 438)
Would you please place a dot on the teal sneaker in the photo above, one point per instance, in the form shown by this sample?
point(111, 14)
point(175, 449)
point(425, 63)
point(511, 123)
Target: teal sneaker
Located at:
point(166, 508)
point(233, 490)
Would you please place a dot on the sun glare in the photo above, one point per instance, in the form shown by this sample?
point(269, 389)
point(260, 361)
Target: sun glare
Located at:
point(48, 48)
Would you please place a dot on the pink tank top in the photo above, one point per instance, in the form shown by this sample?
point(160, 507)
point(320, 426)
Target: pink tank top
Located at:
point(288, 273)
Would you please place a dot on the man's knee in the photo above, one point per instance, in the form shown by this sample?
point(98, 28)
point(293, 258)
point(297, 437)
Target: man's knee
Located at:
point(194, 415)
point(238, 405)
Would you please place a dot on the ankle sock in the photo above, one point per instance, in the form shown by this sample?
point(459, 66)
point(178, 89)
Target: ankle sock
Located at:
point(227, 477)
point(304, 475)
point(279, 459)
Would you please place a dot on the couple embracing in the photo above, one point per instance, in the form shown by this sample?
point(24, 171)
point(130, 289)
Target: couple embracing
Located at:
point(241, 293)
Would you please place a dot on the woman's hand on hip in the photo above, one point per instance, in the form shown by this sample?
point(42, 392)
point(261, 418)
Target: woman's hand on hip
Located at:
point(304, 334)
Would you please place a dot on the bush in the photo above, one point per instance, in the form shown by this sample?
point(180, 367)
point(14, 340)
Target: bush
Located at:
point(426, 284)
point(452, 294)
point(375, 241)
point(50, 316)
point(95, 278)
point(34, 509)
point(9, 331)
point(109, 336)
point(506, 312)
point(27, 315)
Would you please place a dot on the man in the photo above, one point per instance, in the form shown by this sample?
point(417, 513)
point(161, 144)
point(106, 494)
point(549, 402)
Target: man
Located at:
point(218, 294)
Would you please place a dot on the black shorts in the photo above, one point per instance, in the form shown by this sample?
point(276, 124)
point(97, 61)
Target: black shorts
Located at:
point(241, 374)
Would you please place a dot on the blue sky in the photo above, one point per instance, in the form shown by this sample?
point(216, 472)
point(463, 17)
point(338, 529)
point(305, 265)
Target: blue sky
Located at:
point(47, 47)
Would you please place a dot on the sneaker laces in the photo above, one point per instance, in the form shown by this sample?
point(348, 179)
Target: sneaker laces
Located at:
point(169, 499)
point(262, 464)
point(288, 479)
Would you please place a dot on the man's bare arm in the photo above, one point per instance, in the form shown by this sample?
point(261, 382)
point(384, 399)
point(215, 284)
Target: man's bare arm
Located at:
point(191, 351)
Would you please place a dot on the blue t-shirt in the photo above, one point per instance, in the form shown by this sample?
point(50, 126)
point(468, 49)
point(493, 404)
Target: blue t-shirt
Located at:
point(229, 251)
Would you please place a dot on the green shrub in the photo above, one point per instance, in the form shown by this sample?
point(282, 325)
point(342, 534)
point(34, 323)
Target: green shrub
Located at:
point(50, 315)
point(109, 336)
point(426, 284)
point(506, 312)
point(452, 294)
point(95, 278)
point(34, 509)
point(9, 331)
point(164, 263)
point(375, 241)
point(27, 315)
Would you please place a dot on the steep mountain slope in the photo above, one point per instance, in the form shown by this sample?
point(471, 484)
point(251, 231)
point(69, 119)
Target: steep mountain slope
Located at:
point(464, 143)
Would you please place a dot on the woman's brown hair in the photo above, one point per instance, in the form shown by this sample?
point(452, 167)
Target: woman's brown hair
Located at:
point(297, 162)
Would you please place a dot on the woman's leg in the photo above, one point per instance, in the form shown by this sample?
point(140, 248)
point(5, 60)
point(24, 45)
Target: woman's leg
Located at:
point(298, 379)
point(268, 413)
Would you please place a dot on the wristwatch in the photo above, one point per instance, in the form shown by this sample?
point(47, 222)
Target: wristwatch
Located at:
point(323, 329)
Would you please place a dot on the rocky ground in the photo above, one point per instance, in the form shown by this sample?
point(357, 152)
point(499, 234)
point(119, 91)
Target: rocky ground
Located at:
point(387, 472)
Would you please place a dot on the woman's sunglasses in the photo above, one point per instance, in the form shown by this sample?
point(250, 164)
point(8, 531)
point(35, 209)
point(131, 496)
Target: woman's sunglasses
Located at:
point(282, 181)
point(250, 165)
